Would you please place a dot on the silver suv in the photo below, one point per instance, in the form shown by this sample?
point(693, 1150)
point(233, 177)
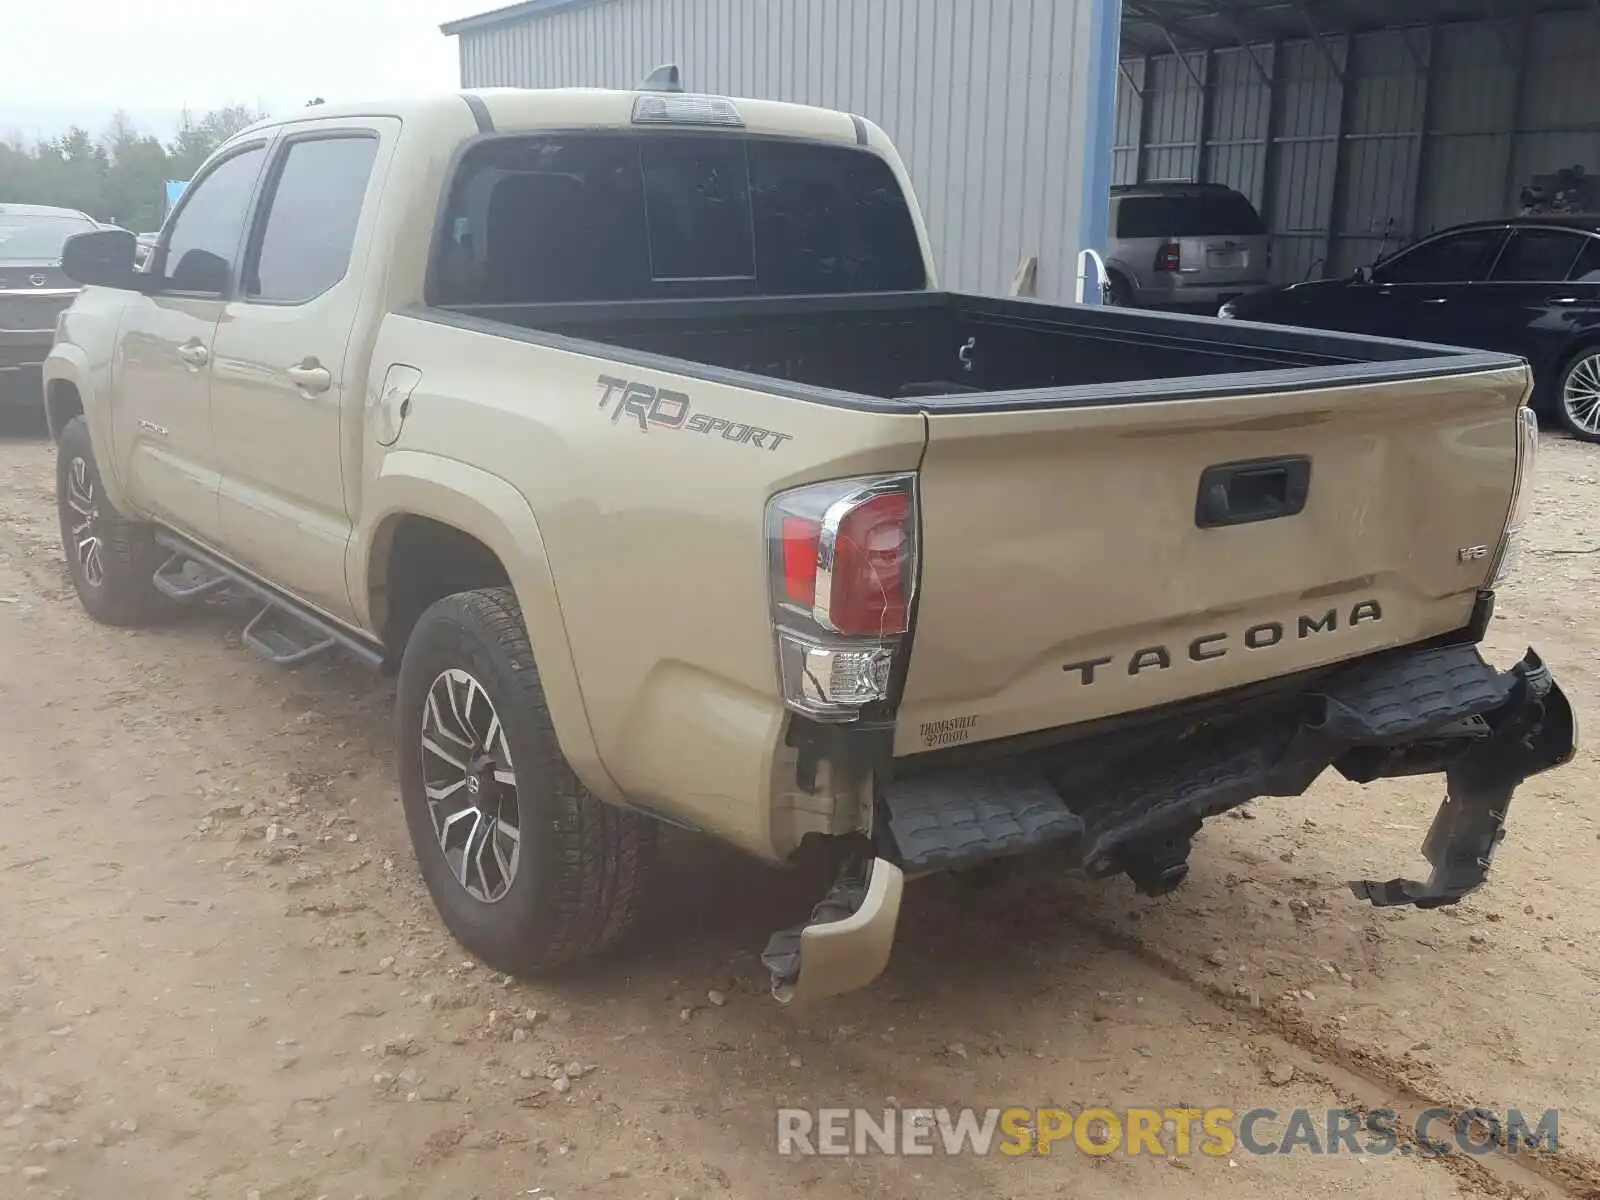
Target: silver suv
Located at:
point(1184, 244)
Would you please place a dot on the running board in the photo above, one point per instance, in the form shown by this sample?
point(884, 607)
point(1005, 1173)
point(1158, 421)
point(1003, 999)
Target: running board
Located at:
point(182, 578)
point(285, 632)
point(275, 634)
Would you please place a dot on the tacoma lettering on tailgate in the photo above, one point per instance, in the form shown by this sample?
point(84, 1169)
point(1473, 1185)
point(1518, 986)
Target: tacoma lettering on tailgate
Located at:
point(666, 409)
point(1217, 645)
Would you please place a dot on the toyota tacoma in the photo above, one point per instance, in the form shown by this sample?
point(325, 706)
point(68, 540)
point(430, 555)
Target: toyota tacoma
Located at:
point(632, 430)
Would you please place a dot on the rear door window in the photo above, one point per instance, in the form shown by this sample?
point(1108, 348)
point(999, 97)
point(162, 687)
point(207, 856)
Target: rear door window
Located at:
point(1454, 258)
point(311, 219)
point(1193, 214)
point(1587, 268)
point(588, 217)
point(1537, 256)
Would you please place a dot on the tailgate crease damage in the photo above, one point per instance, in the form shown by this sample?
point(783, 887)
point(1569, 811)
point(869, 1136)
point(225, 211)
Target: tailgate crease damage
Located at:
point(1132, 802)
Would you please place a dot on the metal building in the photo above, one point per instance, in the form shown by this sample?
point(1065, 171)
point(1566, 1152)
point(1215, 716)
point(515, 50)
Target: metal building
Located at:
point(1358, 125)
point(1002, 109)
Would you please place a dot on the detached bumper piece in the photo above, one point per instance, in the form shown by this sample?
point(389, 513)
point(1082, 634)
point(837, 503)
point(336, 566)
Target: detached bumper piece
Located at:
point(1520, 724)
point(846, 943)
point(1131, 800)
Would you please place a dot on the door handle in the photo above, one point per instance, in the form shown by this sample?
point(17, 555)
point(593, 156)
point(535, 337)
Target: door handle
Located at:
point(1261, 489)
point(194, 354)
point(1566, 300)
point(310, 376)
point(1435, 300)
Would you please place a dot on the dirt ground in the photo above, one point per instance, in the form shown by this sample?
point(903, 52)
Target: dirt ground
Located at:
point(220, 975)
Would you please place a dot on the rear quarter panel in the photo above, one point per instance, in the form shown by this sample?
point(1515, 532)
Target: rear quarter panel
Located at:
point(654, 542)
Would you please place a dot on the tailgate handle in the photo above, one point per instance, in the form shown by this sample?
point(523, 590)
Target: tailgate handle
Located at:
point(1261, 489)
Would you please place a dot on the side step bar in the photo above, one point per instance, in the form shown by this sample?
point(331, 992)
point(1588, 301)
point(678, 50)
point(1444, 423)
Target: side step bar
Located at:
point(181, 578)
point(285, 632)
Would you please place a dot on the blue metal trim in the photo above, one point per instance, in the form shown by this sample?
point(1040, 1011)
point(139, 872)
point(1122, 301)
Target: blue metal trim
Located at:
point(1102, 106)
point(513, 12)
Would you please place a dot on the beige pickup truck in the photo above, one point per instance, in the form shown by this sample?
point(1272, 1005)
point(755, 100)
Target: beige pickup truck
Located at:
point(633, 431)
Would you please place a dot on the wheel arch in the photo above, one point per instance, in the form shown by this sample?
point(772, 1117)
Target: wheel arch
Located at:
point(62, 402)
point(459, 527)
point(1118, 272)
point(69, 391)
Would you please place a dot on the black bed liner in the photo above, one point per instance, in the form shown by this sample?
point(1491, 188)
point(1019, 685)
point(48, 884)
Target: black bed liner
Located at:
point(950, 352)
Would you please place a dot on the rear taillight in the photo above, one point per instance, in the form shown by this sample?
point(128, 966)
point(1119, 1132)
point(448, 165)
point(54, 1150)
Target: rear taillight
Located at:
point(842, 557)
point(1169, 257)
point(1505, 559)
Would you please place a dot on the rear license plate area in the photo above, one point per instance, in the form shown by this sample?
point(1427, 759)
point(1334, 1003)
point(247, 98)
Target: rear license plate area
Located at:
point(26, 313)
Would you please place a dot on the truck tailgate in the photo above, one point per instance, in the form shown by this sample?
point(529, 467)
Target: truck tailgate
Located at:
point(1073, 567)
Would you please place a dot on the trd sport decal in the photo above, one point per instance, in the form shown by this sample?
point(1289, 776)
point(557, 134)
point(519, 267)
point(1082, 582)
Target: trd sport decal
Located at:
point(664, 409)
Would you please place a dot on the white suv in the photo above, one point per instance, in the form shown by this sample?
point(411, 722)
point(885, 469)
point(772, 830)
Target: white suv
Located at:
point(1184, 244)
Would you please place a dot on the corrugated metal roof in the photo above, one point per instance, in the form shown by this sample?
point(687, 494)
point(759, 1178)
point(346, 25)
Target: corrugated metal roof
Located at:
point(1158, 26)
point(512, 12)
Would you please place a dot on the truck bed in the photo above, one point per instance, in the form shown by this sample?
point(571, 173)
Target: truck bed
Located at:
point(949, 349)
point(1117, 509)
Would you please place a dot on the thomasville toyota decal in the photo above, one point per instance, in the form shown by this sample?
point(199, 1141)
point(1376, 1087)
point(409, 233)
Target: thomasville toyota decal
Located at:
point(661, 408)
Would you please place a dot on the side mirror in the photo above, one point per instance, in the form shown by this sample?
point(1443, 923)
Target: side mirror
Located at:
point(100, 258)
point(1363, 274)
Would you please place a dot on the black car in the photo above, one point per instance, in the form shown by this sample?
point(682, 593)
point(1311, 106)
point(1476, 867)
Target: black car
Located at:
point(33, 291)
point(1526, 285)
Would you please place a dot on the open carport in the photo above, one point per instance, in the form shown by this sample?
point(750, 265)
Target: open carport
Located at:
point(1357, 126)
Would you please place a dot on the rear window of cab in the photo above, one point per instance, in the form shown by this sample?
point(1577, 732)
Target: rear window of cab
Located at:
point(611, 217)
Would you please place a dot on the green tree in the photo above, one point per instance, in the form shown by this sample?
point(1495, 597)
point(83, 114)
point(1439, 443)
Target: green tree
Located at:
point(121, 176)
point(197, 139)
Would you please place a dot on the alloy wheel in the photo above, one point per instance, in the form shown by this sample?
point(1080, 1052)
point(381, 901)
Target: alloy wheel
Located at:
point(471, 786)
point(85, 527)
point(1580, 394)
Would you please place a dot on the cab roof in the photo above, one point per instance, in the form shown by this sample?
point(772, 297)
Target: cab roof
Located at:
point(517, 110)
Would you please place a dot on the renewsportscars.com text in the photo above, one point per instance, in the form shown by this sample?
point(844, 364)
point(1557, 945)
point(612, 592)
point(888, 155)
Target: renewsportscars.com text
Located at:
point(1163, 1132)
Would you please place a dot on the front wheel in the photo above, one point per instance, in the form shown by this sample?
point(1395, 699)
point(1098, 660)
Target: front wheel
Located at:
point(1577, 396)
point(112, 560)
point(527, 869)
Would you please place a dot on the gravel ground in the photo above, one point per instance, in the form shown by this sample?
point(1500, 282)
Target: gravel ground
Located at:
point(220, 975)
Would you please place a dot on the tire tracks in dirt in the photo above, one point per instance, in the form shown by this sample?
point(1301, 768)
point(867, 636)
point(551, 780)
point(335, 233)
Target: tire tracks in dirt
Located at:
point(1368, 1080)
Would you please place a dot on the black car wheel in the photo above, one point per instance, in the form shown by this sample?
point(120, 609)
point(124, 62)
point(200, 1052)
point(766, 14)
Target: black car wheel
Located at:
point(1577, 398)
point(528, 870)
point(111, 559)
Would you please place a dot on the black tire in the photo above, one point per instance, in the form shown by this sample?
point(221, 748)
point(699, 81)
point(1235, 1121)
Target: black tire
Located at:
point(1581, 372)
point(114, 581)
point(581, 874)
point(1121, 291)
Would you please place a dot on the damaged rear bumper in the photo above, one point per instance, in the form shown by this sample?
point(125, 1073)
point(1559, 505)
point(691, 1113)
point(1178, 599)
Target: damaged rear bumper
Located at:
point(1131, 799)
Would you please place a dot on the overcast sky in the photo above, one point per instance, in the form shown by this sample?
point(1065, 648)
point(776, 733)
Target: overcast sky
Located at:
point(66, 61)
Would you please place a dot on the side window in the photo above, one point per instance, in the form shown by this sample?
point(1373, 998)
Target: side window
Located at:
point(1537, 256)
point(205, 234)
point(310, 226)
point(1453, 258)
point(1587, 268)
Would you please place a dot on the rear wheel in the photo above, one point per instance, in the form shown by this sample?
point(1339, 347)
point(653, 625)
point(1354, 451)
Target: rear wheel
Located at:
point(1576, 402)
point(527, 868)
point(111, 559)
point(1121, 291)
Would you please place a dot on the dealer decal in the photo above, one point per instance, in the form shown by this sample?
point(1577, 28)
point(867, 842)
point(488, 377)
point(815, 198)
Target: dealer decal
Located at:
point(661, 408)
point(952, 731)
